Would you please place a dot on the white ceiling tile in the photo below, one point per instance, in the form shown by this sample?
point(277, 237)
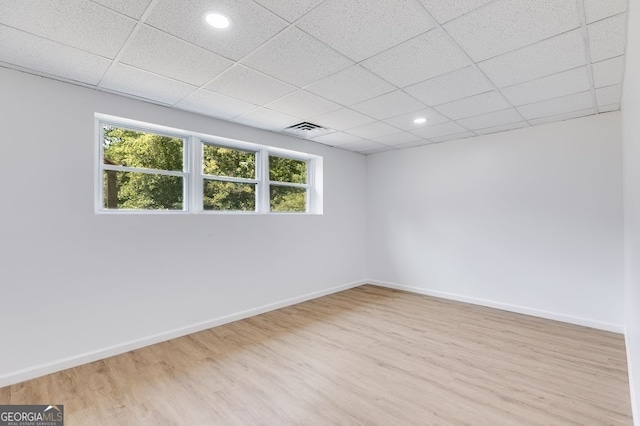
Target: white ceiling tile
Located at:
point(553, 86)
point(77, 23)
point(303, 104)
point(503, 128)
point(389, 105)
point(397, 138)
point(558, 106)
point(373, 130)
point(418, 59)
point(296, 58)
point(163, 54)
point(39, 54)
point(609, 108)
point(362, 146)
point(415, 144)
point(445, 11)
point(338, 138)
point(252, 24)
point(563, 117)
point(449, 87)
point(608, 72)
point(133, 8)
point(405, 122)
point(493, 119)
point(455, 137)
point(609, 95)
point(600, 9)
point(290, 9)
point(125, 79)
point(341, 119)
point(439, 130)
point(351, 85)
point(473, 105)
point(215, 105)
point(362, 28)
point(505, 25)
point(608, 38)
point(250, 86)
point(267, 119)
point(385, 148)
point(550, 56)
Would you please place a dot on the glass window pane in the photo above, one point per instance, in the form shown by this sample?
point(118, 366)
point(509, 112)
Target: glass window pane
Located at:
point(220, 161)
point(123, 147)
point(219, 195)
point(142, 191)
point(287, 170)
point(288, 199)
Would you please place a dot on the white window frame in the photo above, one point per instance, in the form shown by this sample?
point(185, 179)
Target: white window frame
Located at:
point(193, 173)
point(306, 186)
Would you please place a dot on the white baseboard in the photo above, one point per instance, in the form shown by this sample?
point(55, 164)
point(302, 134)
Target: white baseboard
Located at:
point(504, 306)
point(635, 410)
point(76, 360)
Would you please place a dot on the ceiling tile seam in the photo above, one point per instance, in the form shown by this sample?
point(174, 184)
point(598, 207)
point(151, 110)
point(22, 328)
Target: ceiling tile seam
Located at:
point(296, 20)
point(129, 40)
point(624, 12)
point(396, 45)
point(529, 45)
point(47, 75)
point(558, 97)
point(545, 76)
point(559, 116)
point(58, 42)
point(238, 62)
point(355, 64)
point(468, 12)
point(624, 60)
point(495, 87)
point(587, 51)
point(480, 115)
point(212, 79)
point(608, 59)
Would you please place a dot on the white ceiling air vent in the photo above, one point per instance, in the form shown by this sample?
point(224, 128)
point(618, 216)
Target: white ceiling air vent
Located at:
point(307, 130)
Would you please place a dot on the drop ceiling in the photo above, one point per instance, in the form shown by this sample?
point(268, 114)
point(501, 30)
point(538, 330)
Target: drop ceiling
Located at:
point(361, 69)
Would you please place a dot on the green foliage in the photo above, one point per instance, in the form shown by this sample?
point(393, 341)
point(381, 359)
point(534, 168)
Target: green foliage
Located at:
point(219, 195)
point(284, 198)
point(145, 150)
point(150, 191)
point(219, 161)
point(288, 199)
point(287, 170)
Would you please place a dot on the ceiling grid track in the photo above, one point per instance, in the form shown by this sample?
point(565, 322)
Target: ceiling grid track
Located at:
point(139, 23)
point(475, 65)
point(587, 52)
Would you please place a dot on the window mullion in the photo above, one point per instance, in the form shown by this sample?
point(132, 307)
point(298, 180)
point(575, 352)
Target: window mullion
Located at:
point(264, 205)
point(195, 175)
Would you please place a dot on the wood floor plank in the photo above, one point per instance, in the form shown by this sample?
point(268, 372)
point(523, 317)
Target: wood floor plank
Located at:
point(363, 356)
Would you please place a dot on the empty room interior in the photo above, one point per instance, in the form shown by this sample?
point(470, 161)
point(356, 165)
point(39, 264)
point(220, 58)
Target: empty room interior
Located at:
point(321, 211)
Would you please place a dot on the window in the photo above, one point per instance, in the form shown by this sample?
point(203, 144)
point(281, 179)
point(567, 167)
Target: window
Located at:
point(150, 168)
point(229, 179)
point(288, 188)
point(142, 170)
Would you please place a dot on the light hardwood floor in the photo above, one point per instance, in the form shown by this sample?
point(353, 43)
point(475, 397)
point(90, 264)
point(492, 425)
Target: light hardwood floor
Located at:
point(364, 356)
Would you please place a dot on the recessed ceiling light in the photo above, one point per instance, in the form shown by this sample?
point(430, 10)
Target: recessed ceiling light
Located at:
point(217, 20)
point(420, 120)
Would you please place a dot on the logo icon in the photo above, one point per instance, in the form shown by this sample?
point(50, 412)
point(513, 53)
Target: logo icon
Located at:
point(31, 415)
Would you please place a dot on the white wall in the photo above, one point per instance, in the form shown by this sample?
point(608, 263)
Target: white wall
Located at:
point(631, 150)
point(528, 220)
point(75, 286)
